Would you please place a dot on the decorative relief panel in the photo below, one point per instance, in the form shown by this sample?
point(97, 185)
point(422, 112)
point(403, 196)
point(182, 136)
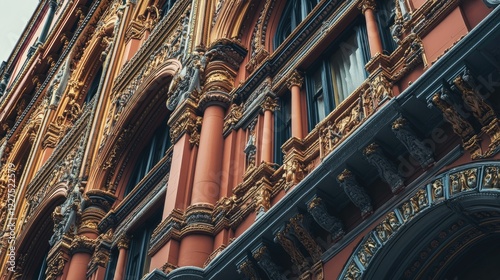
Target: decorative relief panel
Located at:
point(340, 123)
point(66, 170)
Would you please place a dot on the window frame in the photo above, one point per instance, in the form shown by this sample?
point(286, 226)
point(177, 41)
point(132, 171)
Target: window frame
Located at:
point(139, 245)
point(323, 64)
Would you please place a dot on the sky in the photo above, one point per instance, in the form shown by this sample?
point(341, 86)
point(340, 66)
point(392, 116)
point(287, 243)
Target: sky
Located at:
point(14, 16)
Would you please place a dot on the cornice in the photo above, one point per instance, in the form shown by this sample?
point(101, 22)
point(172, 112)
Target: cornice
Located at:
point(59, 62)
point(26, 32)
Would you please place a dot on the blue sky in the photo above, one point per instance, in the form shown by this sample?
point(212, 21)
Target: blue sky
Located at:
point(14, 16)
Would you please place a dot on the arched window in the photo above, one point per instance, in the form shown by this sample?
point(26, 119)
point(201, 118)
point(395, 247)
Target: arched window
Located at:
point(294, 12)
point(94, 86)
point(150, 155)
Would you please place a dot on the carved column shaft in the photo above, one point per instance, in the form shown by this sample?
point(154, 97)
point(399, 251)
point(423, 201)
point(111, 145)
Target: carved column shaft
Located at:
point(209, 160)
point(223, 59)
point(122, 245)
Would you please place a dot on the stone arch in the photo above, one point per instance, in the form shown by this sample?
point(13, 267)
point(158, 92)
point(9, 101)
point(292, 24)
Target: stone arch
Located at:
point(32, 245)
point(228, 18)
point(432, 230)
point(140, 105)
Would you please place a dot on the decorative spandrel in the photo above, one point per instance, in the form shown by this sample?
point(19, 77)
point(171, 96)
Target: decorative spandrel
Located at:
point(67, 215)
point(188, 81)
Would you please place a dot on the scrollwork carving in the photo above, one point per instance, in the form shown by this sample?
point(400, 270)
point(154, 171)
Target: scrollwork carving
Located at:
point(381, 89)
point(355, 192)
point(261, 255)
point(295, 171)
point(418, 150)
point(291, 249)
point(300, 230)
point(317, 208)
point(295, 79)
point(68, 215)
point(246, 267)
point(187, 123)
point(55, 266)
point(234, 115)
point(386, 168)
point(491, 178)
point(82, 243)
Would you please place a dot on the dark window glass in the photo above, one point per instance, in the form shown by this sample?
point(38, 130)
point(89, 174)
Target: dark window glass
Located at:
point(294, 12)
point(94, 86)
point(166, 7)
point(137, 257)
point(386, 14)
point(110, 269)
point(282, 126)
point(150, 155)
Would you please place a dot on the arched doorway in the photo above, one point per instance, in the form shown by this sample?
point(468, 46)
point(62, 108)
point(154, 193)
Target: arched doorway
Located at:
point(448, 229)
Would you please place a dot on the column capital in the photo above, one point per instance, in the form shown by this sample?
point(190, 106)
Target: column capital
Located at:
point(367, 5)
point(294, 79)
point(123, 242)
point(82, 244)
point(270, 104)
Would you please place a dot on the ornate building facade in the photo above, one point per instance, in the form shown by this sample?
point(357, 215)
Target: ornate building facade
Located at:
point(273, 139)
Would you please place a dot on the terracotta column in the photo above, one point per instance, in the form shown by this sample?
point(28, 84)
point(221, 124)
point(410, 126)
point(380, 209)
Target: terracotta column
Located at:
point(122, 258)
point(368, 9)
point(294, 83)
point(97, 204)
point(268, 106)
point(223, 57)
point(209, 163)
point(81, 249)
